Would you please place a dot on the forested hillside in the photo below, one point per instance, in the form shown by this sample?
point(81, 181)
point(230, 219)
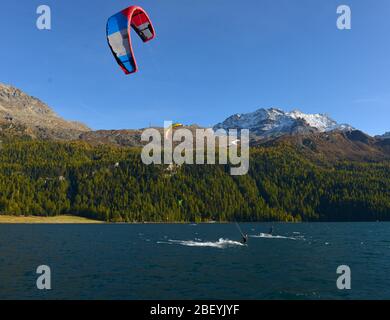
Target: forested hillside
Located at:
point(111, 183)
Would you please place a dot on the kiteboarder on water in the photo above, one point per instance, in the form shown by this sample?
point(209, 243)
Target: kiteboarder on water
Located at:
point(244, 239)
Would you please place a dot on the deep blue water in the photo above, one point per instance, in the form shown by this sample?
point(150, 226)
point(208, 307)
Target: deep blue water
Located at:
point(190, 262)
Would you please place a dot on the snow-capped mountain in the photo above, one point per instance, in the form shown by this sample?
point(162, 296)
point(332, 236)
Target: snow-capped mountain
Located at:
point(384, 136)
point(275, 122)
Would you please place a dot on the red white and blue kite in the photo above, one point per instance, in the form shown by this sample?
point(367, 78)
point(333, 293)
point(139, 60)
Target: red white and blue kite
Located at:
point(119, 39)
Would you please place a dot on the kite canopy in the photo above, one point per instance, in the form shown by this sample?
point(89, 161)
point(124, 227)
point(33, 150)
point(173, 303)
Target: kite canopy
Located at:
point(171, 127)
point(119, 38)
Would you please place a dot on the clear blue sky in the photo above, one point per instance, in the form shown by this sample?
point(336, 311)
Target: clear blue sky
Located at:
point(211, 59)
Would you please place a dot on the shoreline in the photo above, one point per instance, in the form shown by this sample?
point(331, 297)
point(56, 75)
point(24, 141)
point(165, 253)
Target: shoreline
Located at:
point(62, 219)
point(71, 219)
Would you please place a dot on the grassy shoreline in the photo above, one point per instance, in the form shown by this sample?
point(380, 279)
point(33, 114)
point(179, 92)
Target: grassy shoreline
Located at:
point(65, 219)
point(69, 219)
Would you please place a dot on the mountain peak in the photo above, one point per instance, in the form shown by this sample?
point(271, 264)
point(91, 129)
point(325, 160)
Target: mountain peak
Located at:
point(31, 115)
point(275, 122)
point(16, 100)
point(384, 136)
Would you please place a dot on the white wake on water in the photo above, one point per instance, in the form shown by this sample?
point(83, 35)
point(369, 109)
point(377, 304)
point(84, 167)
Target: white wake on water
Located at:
point(270, 236)
point(220, 244)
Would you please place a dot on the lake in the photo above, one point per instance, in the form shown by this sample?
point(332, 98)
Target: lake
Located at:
point(204, 261)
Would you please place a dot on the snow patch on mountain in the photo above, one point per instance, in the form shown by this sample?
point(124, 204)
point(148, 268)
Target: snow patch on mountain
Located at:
point(384, 136)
